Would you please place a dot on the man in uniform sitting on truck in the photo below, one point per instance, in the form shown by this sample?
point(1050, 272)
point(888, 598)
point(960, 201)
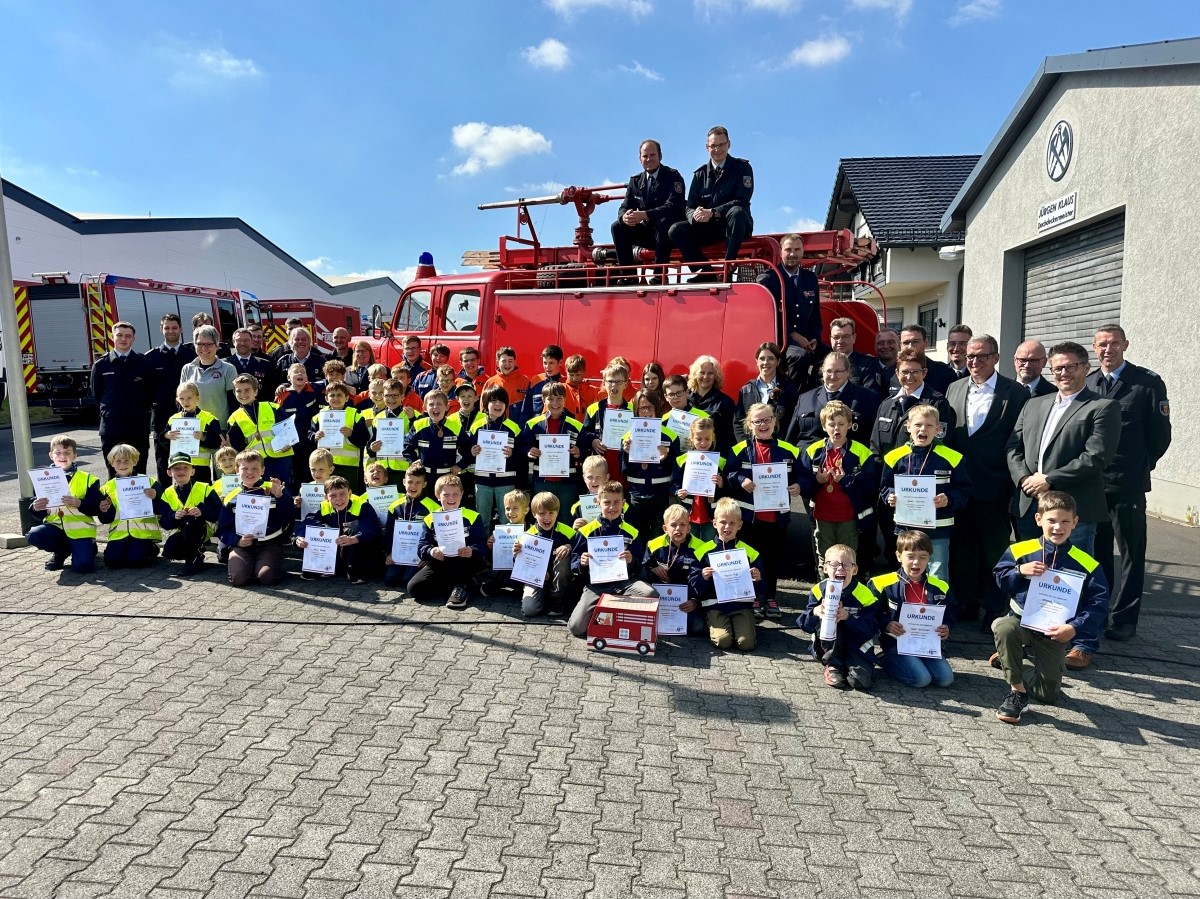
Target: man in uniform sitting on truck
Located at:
point(653, 203)
point(718, 205)
point(800, 295)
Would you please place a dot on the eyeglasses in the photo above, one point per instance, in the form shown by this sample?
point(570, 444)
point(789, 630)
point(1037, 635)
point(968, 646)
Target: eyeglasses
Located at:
point(713, 145)
point(616, 382)
point(675, 394)
point(835, 371)
point(838, 566)
point(762, 422)
point(980, 357)
point(910, 372)
point(1019, 361)
point(205, 343)
point(1069, 369)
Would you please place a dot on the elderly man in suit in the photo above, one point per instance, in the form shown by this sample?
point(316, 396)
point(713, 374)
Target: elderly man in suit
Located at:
point(986, 407)
point(1065, 442)
point(1028, 362)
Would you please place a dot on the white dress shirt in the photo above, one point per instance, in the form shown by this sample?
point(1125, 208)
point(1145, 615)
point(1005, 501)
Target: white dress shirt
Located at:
point(979, 402)
point(1061, 403)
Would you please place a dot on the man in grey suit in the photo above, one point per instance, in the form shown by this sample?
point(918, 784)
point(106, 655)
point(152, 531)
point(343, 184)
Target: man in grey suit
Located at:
point(986, 406)
point(1065, 442)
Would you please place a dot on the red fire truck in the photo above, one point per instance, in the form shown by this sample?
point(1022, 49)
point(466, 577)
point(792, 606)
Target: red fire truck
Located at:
point(64, 326)
point(529, 295)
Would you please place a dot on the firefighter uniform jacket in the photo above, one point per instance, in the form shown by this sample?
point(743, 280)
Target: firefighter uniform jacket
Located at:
point(895, 589)
point(302, 405)
point(867, 612)
point(472, 524)
point(680, 561)
point(513, 438)
point(124, 391)
point(606, 527)
point(663, 204)
point(677, 480)
point(593, 425)
point(406, 508)
point(349, 454)
point(943, 464)
point(569, 427)
point(652, 479)
point(860, 476)
point(1092, 611)
point(1145, 427)
point(733, 187)
point(392, 463)
point(889, 431)
point(439, 446)
point(560, 535)
point(358, 519)
point(250, 429)
point(138, 528)
point(742, 469)
point(79, 523)
point(192, 495)
point(805, 426)
point(800, 296)
point(781, 399)
point(279, 520)
point(705, 589)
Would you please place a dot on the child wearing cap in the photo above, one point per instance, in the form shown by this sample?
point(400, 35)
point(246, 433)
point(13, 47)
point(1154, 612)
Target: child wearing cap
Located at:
point(190, 518)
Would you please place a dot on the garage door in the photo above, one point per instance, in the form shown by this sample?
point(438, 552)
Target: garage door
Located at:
point(1073, 283)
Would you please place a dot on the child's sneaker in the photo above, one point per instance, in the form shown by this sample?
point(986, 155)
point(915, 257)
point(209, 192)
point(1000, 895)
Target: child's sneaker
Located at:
point(1014, 704)
point(56, 562)
point(458, 598)
point(994, 661)
point(773, 609)
point(758, 612)
point(861, 678)
point(835, 678)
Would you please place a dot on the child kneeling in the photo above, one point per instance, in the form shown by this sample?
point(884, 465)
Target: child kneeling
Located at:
point(552, 596)
point(849, 658)
point(728, 622)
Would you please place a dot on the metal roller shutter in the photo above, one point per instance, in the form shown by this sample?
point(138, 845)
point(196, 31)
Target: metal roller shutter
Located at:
point(1073, 283)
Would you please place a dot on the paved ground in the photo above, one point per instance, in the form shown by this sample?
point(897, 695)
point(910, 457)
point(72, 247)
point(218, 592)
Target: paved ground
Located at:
point(177, 739)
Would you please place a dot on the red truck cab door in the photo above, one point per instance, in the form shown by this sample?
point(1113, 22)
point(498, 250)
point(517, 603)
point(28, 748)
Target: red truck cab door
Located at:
point(457, 319)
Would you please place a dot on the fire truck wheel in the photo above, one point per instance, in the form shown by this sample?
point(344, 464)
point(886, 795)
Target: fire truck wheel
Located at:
point(598, 644)
point(643, 648)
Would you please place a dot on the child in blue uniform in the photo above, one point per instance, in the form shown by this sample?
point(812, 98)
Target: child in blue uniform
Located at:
point(849, 658)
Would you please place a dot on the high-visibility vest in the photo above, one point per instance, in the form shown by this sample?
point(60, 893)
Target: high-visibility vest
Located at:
point(196, 495)
point(258, 435)
point(203, 458)
point(141, 528)
point(75, 525)
point(348, 454)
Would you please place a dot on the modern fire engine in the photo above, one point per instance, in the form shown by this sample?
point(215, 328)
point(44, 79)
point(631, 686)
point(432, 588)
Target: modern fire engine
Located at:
point(528, 295)
point(64, 326)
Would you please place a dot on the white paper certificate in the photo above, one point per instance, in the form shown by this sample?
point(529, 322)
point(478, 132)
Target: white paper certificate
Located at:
point(555, 461)
point(1052, 599)
point(698, 473)
point(132, 501)
point(188, 440)
point(320, 556)
point(771, 487)
point(332, 422)
point(311, 497)
point(284, 434)
point(504, 538)
point(680, 422)
point(914, 500)
point(448, 529)
point(533, 561)
point(616, 424)
point(645, 435)
point(491, 452)
point(390, 432)
point(833, 604)
point(250, 515)
point(405, 539)
point(227, 484)
point(589, 507)
point(731, 575)
point(381, 499)
point(604, 566)
point(919, 639)
point(51, 484)
point(670, 619)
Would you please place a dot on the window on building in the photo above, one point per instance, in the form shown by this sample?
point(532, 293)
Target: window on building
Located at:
point(927, 318)
point(894, 319)
point(462, 310)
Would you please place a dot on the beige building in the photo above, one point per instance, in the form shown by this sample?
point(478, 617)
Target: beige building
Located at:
point(1084, 210)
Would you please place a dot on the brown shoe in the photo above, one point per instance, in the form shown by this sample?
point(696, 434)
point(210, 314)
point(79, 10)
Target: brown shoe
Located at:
point(1078, 659)
point(994, 661)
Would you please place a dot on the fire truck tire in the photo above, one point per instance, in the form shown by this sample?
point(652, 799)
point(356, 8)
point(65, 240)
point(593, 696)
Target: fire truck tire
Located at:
point(598, 644)
point(568, 274)
point(643, 648)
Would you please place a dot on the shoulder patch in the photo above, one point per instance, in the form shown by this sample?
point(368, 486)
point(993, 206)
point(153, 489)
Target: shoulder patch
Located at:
point(1164, 408)
point(747, 181)
point(678, 187)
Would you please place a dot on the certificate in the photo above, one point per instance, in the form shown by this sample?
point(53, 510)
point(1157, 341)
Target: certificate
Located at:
point(227, 484)
point(670, 619)
point(188, 440)
point(284, 435)
point(250, 515)
point(604, 566)
point(533, 561)
point(390, 432)
point(1052, 599)
point(491, 458)
point(731, 575)
point(381, 499)
point(771, 487)
point(833, 604)
point(132, 501)
point(589, 507)
point(680, 422)
point(448, 529)
point(332, 422)
point(645, 435)
point(616, 424)
point(914, 500)
point(405, 539)
point(698, 473)
point(555, 461)
point(504, 537)
point(919, 639)
point(51, 484)
point(311, 497)
point(320, 556)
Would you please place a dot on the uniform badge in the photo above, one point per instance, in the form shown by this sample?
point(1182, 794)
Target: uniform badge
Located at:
point(747, 181)
point(1164, 408)
point(942, 431)
point(678, 187)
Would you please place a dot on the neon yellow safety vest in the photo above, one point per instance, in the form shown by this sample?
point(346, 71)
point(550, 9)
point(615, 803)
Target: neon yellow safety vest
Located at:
point(258, 435)
point(204, 457)
point(196, 495)
point(348, 454)
point(141, 528)
point(75, 525)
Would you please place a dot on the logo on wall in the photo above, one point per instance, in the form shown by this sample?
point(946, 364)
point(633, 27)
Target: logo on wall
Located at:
point(1059, 150)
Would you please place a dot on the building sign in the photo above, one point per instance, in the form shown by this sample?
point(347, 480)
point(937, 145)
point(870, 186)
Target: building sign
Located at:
point(1060, 148)
point(1056, 212)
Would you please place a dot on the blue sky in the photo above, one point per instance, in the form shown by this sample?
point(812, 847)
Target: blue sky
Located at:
point(356, 140)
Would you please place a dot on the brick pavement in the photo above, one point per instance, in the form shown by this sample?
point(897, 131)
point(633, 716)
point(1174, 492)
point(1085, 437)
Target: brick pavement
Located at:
point(321, 746)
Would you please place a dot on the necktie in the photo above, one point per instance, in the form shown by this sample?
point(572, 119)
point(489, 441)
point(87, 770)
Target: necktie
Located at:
point(834, 395)
point(1109, 384)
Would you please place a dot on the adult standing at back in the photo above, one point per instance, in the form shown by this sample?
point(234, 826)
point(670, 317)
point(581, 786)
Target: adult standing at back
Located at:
point(1141, 396)
point(212, 376)
point(718, 205)
point(769, 387)
point(342, 352)
point(654, 201)
point(303, 352)
point(865, 371)
point(986, 407)
point(166, 361)
point(121, 385)
point(957, 339)
point(1065, 442)
point(805, 424)
point(938, 375)
point(800, 295)
point(1028, 362)
point(705, 392)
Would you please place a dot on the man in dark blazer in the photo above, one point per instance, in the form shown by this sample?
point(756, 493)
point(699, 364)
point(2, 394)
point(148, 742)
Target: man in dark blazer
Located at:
point(122, 385)
point(1141, 396)
point(654, 201)
point(805, 424)
point(1028, 362)
point(1066, 442)
point(986, 407)
point(799, 293)
point(938, 375)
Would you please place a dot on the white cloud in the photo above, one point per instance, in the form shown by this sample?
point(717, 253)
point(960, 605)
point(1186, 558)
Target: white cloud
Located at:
point(779, 6)
point(900, 7)
point(490, 146)
point(82, 171)
point(974, 10)
point(638, 69)
point(822, 51)
point(400, 276)
point(801, 225)
point(569, 8)
point(707, 9)
point(549, 54)
point(535, 190)
point(320, 264)
point(200, 66)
